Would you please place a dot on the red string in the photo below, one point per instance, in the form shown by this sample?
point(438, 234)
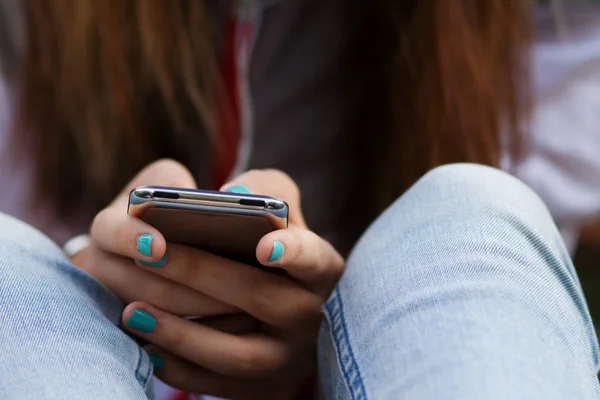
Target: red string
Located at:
point(225, 156)
point(181, 396)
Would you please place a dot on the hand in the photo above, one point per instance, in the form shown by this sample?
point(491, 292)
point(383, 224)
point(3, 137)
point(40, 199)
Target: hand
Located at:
point(269, 350)
point(114, 238)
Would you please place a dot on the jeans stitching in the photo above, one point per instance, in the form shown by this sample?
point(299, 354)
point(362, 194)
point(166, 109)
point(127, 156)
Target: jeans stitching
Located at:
point(142, 378)
point(345, 355)
point(138, 374)
point(148, 373)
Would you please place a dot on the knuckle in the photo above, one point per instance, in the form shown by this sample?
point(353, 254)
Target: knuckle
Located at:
point(284, 180)
point(171, 173)
point(248, 362)
point(185, 266)
point(333, 276)
point(117, 236)
point(174, 339)
point(125, 239)
point(160, 293)
point(99, 222)
point(308, 308)
point(253, 175)
point(267, 307)
point(337, 269)
point(97, 263)
point(286, 310)
point(278, 174)
point(293, 249)
point(87, 262)
point(168, 164)
point(319, 271)
point(330, 270)
point(189, 267)
point(252, 361)
point(304, 312)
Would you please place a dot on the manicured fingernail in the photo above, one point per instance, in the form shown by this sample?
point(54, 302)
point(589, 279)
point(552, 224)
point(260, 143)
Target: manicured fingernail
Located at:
point(141, 320)
point(158, 263)
point(239, 189)
point(144, 244)
point(277, 251)
point(157, 362)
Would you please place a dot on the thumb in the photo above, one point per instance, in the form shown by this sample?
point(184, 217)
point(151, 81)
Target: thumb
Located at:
point(164, 172)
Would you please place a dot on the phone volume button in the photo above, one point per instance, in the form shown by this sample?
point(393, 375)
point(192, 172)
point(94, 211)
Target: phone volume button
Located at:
point(166, 195)
point(252, 202)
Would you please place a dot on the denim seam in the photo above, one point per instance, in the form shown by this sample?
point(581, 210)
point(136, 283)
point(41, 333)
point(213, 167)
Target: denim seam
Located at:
point(138, 374)
point(142, 378)
point(339, 330)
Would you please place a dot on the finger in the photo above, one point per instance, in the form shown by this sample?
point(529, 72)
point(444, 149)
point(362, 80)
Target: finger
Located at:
point(130, 283)
point(117, 232)
point(186, 376)
point(233, 355)
point(114, 231)
point(271, 182)
point(304, 255)
point(271, 298)
point(164, 172)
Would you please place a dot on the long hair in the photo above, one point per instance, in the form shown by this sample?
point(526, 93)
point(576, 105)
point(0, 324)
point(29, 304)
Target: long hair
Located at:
point(458, 86)
point(107, 86)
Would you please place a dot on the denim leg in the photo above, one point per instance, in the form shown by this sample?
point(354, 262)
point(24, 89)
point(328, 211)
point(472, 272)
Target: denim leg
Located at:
point(462, 289)
point(58, 327)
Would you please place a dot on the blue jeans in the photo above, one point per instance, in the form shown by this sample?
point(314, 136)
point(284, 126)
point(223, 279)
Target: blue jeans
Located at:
point(462, 289)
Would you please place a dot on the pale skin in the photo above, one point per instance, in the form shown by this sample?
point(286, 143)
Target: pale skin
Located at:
point(261, 340)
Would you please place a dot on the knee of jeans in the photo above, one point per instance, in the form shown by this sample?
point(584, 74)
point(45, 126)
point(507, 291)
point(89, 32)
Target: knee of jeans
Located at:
point(478, 182)
point(33, 266)
point(455, 196)
point(18, 240)
point(465, 187)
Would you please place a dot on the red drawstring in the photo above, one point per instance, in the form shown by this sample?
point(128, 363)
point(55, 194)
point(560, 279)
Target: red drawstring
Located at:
point(181, 396)
point(225, 152)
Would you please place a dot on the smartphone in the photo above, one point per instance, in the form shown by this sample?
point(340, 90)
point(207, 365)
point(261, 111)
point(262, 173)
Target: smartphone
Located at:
point(223, 223)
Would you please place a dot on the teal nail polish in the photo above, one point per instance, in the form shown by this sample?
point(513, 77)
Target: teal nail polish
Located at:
point(144, 244)
point(277, 251)
point(157, 362)
point(158, 263)
point(239, 189)
point(141, 320)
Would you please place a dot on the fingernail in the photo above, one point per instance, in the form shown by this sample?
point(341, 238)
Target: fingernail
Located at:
point(144, 244)
point(277, 251)
point(157, 362)
point(158, 263)
point(141, 320)
point(239, 189)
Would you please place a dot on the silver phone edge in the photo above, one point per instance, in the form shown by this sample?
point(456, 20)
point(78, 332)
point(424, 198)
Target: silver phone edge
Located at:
point(136, 201)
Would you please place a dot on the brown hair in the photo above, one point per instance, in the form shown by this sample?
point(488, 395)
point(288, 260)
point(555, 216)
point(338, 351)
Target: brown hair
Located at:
point(459, 85)
point(109, 85)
